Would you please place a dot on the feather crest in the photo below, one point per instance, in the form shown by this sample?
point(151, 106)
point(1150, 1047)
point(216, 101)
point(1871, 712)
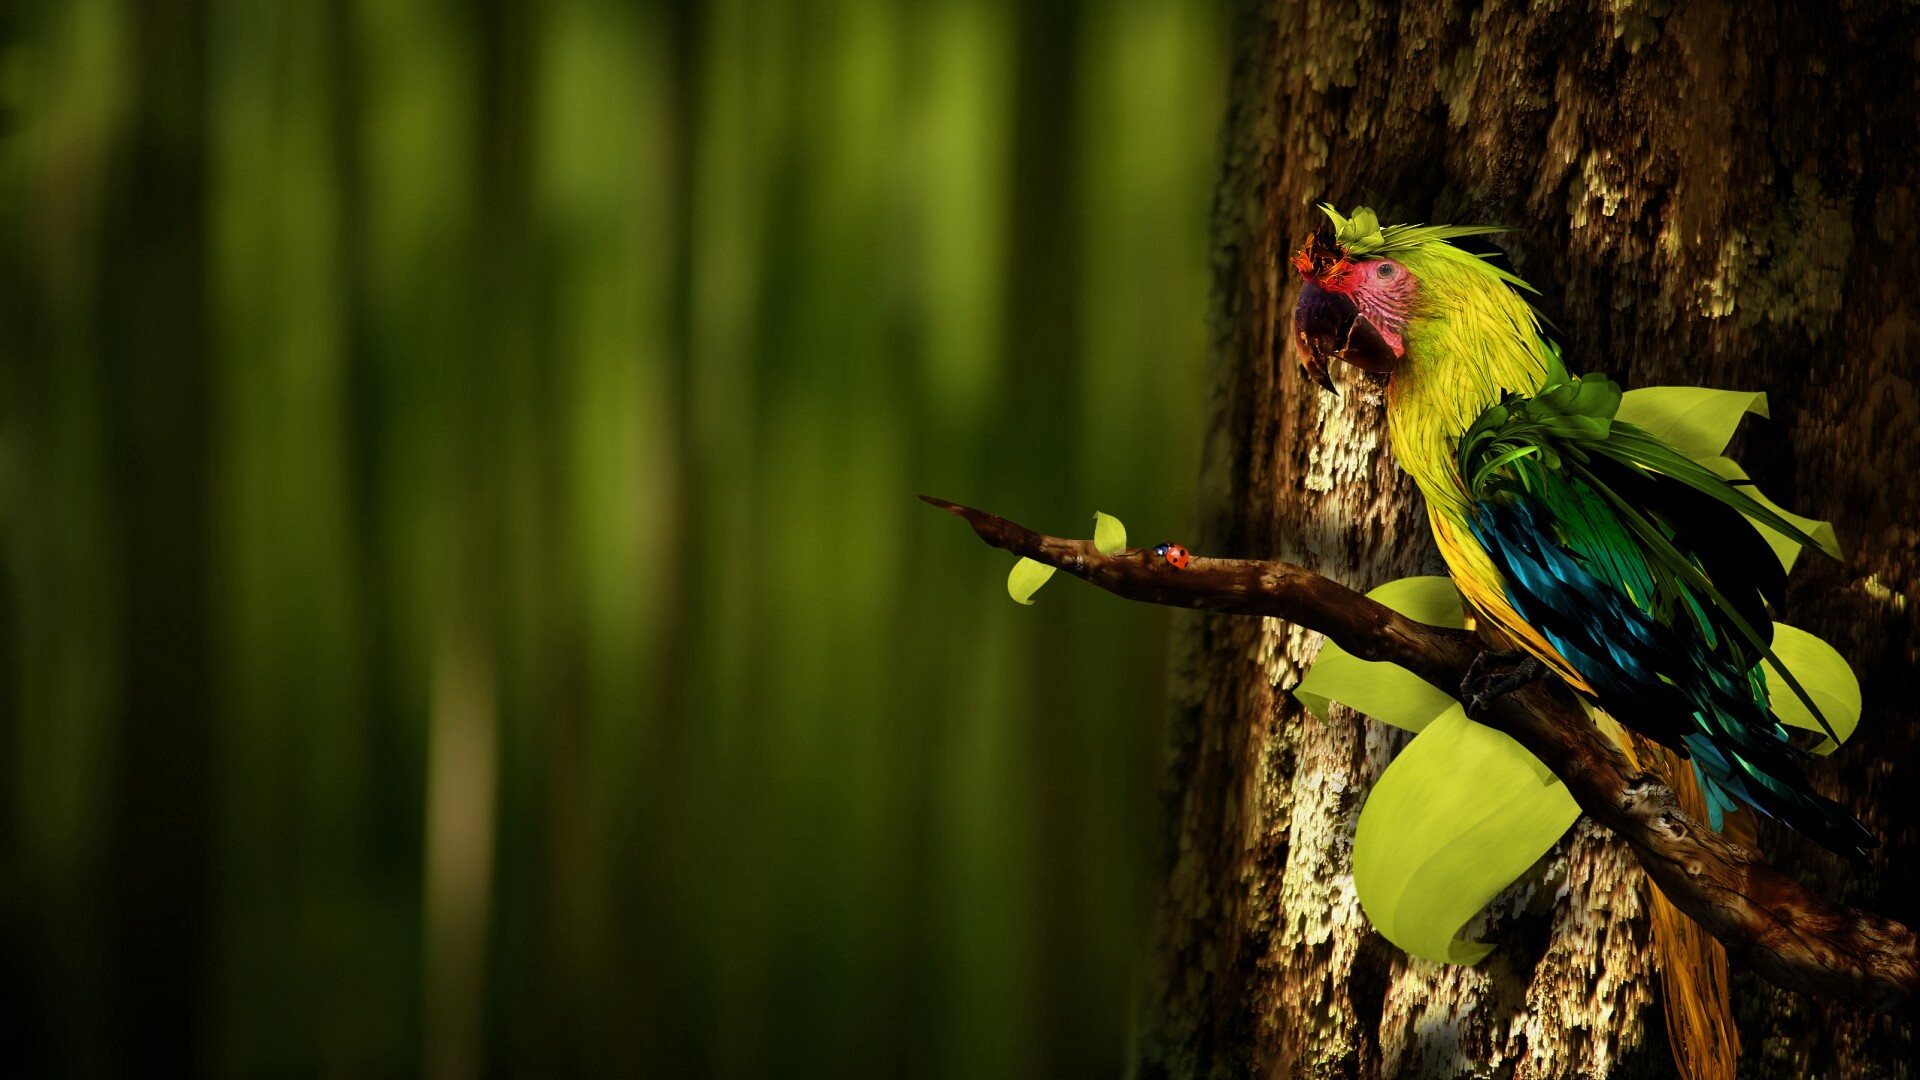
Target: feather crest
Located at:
point(1362, 236)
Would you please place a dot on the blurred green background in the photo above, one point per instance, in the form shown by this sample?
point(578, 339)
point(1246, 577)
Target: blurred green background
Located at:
point(466, 608)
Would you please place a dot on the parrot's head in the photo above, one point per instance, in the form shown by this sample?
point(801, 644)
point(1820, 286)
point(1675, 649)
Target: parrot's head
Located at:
point(1351, 307)
point(1364, 287)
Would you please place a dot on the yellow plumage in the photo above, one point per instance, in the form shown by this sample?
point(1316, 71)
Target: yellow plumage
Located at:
point(1474, 339)
point(1472, 342)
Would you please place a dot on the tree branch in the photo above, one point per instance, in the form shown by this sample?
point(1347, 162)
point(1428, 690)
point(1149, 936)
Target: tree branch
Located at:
point(1768, 922)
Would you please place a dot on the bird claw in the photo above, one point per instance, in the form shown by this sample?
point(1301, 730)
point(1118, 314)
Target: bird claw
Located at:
point(1482, 686)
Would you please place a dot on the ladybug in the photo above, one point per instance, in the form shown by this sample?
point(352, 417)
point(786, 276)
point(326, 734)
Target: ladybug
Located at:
point(1176, 556)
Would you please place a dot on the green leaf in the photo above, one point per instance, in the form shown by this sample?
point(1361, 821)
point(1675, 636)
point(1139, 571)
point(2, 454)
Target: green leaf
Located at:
point(1431, 600)
point(1109, 536)
point(1827, 678)
point(1784, 547)
point(1387, 692)
point(1697, 421)
point(1463, 810)
point(1580, 408)
point(1461, 813)
point(1359, 234)
point(1026, 578)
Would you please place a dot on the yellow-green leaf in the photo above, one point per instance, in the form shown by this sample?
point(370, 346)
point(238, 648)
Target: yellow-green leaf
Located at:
point(1431, 600)
point(1026, 579)
point(1785, 548)
point(1109, 536)
point(1387, 692)
point(1461, 813)
point(1696, 421)
point(1827, 677)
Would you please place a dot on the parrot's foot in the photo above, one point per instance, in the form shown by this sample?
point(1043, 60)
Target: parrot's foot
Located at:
point(1482, 686)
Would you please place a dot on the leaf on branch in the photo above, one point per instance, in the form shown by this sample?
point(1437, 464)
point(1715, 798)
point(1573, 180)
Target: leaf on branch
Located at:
point(1026, 578)
point(1826, 675)
point(1109, 536)
point(1461, 813)
point(1387, 692)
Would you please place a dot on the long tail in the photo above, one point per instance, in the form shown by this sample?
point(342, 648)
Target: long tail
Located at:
point(1693, 964)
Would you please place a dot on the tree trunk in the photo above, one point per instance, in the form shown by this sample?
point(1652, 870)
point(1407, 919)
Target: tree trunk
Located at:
point(1718, 195)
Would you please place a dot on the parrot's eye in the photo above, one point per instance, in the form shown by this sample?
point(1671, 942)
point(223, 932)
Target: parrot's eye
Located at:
point(1386, 270)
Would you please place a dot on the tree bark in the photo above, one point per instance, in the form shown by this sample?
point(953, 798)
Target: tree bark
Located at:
point(1712, 194)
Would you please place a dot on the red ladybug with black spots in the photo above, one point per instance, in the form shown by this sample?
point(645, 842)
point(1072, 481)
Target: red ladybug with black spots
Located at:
point(1176, 556)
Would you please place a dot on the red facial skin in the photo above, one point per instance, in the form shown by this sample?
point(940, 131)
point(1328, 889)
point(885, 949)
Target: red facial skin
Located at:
point(1381, 289)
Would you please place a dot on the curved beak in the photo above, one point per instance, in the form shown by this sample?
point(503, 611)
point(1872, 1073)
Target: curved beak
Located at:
point(1327, 327)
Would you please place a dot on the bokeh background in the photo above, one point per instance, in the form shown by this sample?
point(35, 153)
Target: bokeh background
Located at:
point(466, 608)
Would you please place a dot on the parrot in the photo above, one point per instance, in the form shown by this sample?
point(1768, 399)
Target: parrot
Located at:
point(1584, 545)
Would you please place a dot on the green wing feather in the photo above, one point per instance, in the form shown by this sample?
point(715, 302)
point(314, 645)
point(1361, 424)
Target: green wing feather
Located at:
point(1563, 428)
